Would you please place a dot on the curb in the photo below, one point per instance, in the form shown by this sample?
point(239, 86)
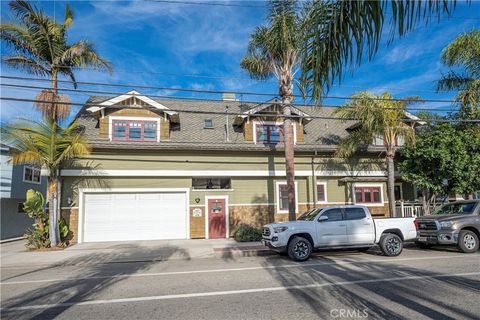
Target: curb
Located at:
point(11, 240)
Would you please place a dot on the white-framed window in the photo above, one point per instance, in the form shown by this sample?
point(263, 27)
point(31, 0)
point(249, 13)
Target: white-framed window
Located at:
point(321, 191)
point(212, 183)
point(134, 129)
point(379, 141)
point(270, 132)
point(31, 174)
point(368, 194)
point(282, 197)
point(398, 190)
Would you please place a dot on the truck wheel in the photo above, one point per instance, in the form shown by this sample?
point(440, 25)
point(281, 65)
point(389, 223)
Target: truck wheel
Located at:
point(468, 241)
point(299, 249)
point(391, 244)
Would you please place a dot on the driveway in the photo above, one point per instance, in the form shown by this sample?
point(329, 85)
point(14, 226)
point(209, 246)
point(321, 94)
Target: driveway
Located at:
point(419, 284)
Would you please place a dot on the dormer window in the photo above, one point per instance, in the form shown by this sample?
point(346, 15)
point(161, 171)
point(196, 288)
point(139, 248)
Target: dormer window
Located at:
point(135, 130)
point(269, 133)
point(208, 124)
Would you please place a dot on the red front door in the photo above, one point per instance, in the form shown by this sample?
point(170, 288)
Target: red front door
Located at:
point(217, 227)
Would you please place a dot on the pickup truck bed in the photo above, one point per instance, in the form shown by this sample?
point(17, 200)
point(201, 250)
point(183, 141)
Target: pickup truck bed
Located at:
point(338, 227)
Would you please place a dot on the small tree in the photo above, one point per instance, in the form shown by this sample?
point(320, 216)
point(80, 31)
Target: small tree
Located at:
point(442, 153)
point(31, 145)
point(378, 116)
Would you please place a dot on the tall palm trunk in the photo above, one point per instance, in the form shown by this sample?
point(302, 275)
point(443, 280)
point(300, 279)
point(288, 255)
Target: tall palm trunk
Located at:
point(286, 93)
point(53, 188)
point(391, 184)
point(54, 233)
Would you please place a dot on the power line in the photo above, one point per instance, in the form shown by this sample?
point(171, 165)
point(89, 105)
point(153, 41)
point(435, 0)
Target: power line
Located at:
point(234, 113)
point(211, 91)
point(80, 91)
point(202, 3)
point(175, 75)
point(224, 4)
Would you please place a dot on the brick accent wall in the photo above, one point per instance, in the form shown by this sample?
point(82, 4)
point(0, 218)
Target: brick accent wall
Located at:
point(71, 218)
point(197, 224)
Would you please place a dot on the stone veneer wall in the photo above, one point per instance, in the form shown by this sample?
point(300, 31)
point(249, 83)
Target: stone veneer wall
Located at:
point(71, 217)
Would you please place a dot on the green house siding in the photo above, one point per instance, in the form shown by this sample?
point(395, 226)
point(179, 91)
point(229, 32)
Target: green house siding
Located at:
point(209, 160)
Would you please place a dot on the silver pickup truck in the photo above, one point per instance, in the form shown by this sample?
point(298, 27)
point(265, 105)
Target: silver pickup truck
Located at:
point(338, 227)
point(456, 223)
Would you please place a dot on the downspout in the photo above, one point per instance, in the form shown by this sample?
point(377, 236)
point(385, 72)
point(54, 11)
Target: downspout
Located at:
point(314, 181)
point(227, 138)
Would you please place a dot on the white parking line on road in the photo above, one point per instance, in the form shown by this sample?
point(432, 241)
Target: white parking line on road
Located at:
point(296, 265)
point(232, 292)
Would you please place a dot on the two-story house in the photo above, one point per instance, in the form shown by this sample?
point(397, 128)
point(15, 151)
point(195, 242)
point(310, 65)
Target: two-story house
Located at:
point(181, 169)
point(15, 181)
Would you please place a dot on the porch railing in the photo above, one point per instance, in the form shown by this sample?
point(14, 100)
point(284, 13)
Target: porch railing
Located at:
point(408, 209)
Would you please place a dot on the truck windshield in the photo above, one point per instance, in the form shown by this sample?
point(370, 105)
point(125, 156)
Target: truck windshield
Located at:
point(457, 208)
point(309, 215)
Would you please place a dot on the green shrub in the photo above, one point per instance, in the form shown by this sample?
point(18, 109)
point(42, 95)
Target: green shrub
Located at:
point(246, 233)
point(38, 237)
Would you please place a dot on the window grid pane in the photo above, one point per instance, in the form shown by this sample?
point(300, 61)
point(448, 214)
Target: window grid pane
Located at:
point(283, 196)
point(368, 195)
point(320, 192)
point(133, 130)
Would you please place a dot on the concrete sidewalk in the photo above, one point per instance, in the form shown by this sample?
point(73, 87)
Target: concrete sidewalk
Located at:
point(15, 254)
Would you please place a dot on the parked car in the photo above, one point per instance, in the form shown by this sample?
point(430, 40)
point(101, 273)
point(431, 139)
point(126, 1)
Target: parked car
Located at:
point(455, 223)
point(338, 227)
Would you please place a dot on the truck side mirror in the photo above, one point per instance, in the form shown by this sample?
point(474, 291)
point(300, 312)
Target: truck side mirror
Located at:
point(322, 218)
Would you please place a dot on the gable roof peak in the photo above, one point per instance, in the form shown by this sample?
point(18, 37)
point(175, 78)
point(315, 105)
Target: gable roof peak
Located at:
point(128, 95)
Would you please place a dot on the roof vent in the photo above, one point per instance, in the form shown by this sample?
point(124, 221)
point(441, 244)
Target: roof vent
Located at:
point(229, 96)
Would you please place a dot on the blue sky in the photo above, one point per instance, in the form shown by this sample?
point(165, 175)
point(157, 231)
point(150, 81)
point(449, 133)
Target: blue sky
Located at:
point(200, 47)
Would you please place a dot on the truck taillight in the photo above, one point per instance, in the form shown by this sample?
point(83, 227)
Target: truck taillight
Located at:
point(415, 222)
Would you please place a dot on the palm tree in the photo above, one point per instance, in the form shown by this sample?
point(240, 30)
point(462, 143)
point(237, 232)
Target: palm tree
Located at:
point(317, 40)
point(463, 53)
point(378, 117)
point(31, 145)
point(40, 47)
point(274, 50)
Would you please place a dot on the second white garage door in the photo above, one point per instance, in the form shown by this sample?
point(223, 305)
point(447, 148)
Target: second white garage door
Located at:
point(134, 216)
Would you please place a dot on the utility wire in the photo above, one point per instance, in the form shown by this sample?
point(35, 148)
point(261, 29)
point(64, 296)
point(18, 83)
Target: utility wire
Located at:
point(87, 105)
point(202, 3)
point(225, 4)
point(81, 91)
point(228, 78)
point(211, 91)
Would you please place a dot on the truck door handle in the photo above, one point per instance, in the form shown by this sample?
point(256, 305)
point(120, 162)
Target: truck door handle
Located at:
point(342, 225)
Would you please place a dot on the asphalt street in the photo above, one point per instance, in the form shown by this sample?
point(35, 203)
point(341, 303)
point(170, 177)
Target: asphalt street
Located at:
point(419, 284)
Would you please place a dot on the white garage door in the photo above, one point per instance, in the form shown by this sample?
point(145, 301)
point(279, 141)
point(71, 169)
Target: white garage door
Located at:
point(135, 216)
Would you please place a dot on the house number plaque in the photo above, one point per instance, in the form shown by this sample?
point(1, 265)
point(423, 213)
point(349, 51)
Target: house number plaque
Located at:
point(197, 212)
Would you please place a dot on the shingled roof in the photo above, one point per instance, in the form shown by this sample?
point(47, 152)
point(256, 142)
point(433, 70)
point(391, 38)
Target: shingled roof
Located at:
point(320, 135)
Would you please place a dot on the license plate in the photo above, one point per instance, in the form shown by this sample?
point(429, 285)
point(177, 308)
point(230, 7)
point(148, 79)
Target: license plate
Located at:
point(422, 239)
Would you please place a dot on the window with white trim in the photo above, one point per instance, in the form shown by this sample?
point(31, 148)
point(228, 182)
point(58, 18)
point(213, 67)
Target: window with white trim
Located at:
point(321, 191)
point(134, 130)
point(211, 183)
point(368, 194)
point(269, 133)
point(31, 174)
point(282, 197)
